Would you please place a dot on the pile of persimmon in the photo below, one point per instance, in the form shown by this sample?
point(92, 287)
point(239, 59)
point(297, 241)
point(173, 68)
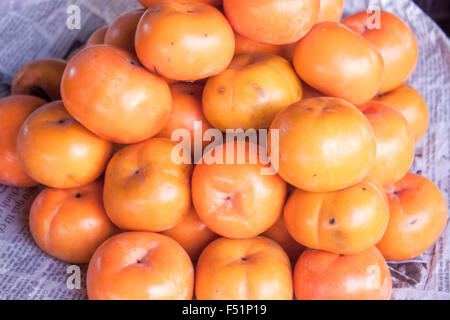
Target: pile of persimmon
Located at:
point(332, 195)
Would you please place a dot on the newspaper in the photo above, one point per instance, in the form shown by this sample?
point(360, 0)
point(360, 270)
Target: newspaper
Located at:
point(32, 29)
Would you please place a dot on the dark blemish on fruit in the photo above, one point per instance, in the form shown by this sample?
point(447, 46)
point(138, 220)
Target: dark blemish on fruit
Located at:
point(78, 195)
point(364, 189)
point(324, 108)
point(40, 93)
point(244, 258)
point(221, 90)
point(228, 198)
point(341, 255)
point(139, 261)
point(315, 175)
point(332, 221)
point(133, 63)
point(413, 222)
point(62, 121)
point(137, 172)
point(189, 11)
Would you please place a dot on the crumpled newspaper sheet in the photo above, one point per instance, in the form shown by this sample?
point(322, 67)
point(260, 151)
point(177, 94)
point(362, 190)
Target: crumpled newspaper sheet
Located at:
point(31, 29)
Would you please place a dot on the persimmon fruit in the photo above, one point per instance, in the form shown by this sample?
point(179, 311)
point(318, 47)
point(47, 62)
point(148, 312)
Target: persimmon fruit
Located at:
point(325, 144)
point(171, 42)
point(318, 60)
point(140, 266)
point(14, 110)
point(272, 21)
point(121, 33)
point(57, 151)
point(248, 269)
point(244, 45)
point(395, 142)
point(69, 224)
point(331, 10)
point(412, 106)
point(191, 234)
point(131, 112)
point(97, 37)
point(321, 275)
point(280, 234)
point(250, 92)
point(394, 40)
point(418, 218)
point(144, 189)
point(186, 110)
point(234, 199)
point(347, 221)
point(41, 78)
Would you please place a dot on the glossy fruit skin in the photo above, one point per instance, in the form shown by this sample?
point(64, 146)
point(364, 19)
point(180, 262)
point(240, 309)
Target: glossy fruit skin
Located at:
point(170, 40)
point(321, 275)
point(272, 21)
point(331, 10)
point(144, 189)
point(418, 218)
point(40, 78)
point(249, 269)
point(235, 200)
point(121, 33)
point(191, 234)
point(315, 136)
point(279, 233)
point(14, 110)
point(186, 110)
point(413, 107)
point(97, 37)
point(318, 61)
point(140, 266)
point(250, 92)
point(395, 142)
point(394, 40)
point(244, 45)
point(348, 221)
point(70, 224)
point(106, 90)
point(148, 3)
point(57, 151)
